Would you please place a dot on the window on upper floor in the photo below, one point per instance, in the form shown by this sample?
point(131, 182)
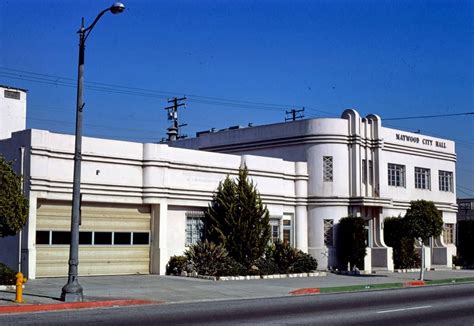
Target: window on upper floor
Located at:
point(327, 169)
point(396, 175)
point(446, 181)
point(422, 178)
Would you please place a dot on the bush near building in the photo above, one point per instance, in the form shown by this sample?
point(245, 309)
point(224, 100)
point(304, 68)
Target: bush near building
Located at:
point(13, 204)
point(395, 235)
point(351, 242)
point(465, 242)
point(7, 275)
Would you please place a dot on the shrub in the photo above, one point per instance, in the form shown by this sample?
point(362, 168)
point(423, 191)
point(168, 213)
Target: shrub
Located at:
point(207, 258)
point(351, 242)
point(288, 259)
point(176, 265)
point(7, 275)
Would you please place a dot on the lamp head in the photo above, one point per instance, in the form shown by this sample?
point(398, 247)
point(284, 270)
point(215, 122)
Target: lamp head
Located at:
point(117, 8)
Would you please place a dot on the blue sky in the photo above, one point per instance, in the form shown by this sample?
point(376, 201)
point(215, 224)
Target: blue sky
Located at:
point(241, 62)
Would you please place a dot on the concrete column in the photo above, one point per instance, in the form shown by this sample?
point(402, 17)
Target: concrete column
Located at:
point(29, 233)
point(159, 250)
point(301, 212)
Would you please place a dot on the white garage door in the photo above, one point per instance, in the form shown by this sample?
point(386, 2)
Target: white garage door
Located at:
point(113, 240)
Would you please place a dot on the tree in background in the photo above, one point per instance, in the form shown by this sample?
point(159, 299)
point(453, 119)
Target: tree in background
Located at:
point(237, 219)
point(396, 236)
point(465, 242)
point(423, 221)
point(351, 241)
point(13, 204)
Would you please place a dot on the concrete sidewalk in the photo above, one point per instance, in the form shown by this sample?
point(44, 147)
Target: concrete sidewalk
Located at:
point(173, 289)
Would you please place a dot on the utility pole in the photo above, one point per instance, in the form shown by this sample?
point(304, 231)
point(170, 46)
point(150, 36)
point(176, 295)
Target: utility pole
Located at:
point(173, 130)
point(294, 114)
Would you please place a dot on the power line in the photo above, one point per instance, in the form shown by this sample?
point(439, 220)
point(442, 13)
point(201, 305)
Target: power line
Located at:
point(431, 116)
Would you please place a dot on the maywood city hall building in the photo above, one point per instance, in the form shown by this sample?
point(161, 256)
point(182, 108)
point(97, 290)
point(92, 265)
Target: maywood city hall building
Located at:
point(142, 203)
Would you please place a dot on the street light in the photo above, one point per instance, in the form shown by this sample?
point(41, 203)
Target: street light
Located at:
point(72, 291)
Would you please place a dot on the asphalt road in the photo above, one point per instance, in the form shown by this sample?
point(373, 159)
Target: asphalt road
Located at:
point(438, 305)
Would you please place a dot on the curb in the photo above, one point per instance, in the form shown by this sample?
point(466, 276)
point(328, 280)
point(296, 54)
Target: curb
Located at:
point(414, 283)
point(18, 309)
point(305, 291)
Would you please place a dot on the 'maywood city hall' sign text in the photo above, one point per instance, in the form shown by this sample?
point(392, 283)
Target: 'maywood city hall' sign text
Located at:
point(424, 141)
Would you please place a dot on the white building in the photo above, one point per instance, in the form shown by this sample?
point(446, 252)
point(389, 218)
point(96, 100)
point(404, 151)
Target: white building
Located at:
point(141, 202)
point(355, 167)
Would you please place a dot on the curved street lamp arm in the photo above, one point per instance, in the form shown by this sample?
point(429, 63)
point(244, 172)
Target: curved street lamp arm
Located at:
point(88, 30)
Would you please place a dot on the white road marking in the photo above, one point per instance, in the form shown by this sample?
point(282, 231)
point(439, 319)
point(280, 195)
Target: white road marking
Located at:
point(402, 309)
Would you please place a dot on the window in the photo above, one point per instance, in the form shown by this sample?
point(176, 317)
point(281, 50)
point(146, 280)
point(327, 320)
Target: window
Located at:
point(42, 237)
point(287, 232)
point(364, 172)
point(141, 238)
point(102, 238)
point(396, 175)
point(446, 181)
point(448, 233)
point(61, 238)
point(275, 229)
point(194, 227)
point(11, 94)
point(328, 233)
point(123, 238)
point(85, 238)
point(327, 169)
point(422, 178)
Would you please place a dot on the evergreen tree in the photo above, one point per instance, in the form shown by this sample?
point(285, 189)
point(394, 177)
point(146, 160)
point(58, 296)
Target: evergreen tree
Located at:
point(13, 204)
point(238, 219)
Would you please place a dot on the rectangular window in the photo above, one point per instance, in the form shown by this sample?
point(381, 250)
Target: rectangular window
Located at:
point(275, 229)
point(102, 238)
point(329, 233)
point(61, 237)
point(11, 94)
point(85, 238)
point(446, 181)
point(422, 178)
point(122, 238)
point(396, 175)
point(194, 227)
point(42, 237)
point(448, 233)
point(287, 232)
point(141, 238)
point(327, 169)
point(371, 172)
point(364, 171)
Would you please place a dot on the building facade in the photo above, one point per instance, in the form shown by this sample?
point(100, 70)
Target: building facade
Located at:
point(142, 203)
point(355, 167)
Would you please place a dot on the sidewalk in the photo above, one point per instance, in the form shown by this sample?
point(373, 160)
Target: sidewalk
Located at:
point(149, 289)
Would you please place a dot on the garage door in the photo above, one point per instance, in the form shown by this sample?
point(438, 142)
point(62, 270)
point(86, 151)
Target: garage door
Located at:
point(113, 240)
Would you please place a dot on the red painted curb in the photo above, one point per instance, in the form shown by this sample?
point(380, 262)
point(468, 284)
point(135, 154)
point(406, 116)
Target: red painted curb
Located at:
point(305, 291)
point(73, 305)
point(414, 283)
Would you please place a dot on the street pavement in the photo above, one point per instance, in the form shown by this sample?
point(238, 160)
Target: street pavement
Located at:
point(175, 289)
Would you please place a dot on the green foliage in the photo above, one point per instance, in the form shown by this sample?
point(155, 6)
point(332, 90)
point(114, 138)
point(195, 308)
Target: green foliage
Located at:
point(176, 265)
point(395, 235)
point(423, 220)
point(283, 259)
point(13, 204)
point(466, 242)
point(7, 275)
point(351, 241)
point(238, 220)
point(207, 258)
